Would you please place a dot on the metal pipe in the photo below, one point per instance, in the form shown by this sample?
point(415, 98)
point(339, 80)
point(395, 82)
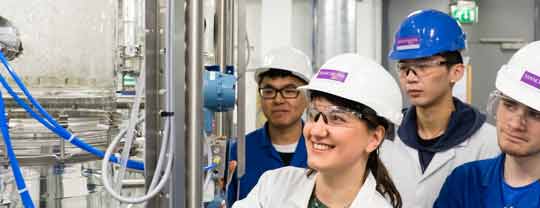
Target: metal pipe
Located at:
point(229, 56)
point(222, 128)
point(230, 37)
point(151, 94)
point(242, 64)
point(221, 43)
point(335, 29)
point(194, 124)
point(176, 52)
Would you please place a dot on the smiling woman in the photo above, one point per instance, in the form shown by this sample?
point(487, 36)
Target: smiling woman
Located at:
point(348, 119)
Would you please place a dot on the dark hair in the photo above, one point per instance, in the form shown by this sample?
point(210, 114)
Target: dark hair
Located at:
point(385, 185)
point(452, 58)
point(273, 73)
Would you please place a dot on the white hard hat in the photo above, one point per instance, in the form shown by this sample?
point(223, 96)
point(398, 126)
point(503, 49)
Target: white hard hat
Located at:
point(361, 80)
point(287, 59)
point(520, 77)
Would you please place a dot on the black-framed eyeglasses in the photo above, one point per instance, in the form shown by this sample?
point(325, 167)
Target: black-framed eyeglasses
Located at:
point(419, 69)
point(271, 93)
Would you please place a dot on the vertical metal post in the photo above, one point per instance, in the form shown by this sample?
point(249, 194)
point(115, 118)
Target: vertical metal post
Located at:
point(221, 47)
point(63, 121)
point(194, 104)
point(229, 56)
point(242, 64)
point(151, 94)
point(176, 47)
point(223, 59)
point(231, 26)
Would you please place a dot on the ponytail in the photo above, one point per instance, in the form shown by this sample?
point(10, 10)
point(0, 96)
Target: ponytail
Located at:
point(385, 186)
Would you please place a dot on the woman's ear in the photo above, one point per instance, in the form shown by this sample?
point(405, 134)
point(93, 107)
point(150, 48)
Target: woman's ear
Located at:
point(376, 138)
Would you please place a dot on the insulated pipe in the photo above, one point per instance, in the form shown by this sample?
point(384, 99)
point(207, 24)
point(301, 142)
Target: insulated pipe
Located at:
point(194, 124)
point(335, 29)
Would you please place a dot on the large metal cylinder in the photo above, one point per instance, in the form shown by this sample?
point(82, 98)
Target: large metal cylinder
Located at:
point(335, 29)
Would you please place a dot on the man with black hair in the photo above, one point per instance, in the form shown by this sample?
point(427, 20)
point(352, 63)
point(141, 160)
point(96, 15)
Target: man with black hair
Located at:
point(280, 141)
point(438, 132)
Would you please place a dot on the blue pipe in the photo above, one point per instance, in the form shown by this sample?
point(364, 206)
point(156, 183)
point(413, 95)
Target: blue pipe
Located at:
point(50, 123)
point(19, 180)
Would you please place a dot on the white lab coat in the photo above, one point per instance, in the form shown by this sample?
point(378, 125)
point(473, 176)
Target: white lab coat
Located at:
point(419, 190)
point(290, 187)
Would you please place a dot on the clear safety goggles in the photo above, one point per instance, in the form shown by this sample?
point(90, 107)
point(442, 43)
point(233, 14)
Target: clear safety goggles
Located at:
point(498, 100)
point(337, 116)
point(418, 68)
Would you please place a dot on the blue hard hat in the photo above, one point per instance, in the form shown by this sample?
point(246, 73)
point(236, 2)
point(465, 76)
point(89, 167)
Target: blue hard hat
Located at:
point(425, 33)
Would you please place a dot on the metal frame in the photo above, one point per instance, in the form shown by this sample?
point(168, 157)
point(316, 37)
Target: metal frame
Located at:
point(177, 50)
point(242, 65)
point(223, 58)
point(151, 96)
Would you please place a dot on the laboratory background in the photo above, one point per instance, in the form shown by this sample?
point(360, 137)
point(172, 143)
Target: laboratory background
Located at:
point(135, 103)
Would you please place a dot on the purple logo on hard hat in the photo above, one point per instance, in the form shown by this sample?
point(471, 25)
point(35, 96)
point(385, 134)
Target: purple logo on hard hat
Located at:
point(406, 43)
point(531, 79)
point(332, 74)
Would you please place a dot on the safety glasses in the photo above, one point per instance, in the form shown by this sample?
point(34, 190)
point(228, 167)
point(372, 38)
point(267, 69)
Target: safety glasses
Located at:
point(419, 68)
point(511, 106)
point(337, 116)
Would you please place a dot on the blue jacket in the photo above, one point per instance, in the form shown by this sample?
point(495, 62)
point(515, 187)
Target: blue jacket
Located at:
point(478, 184)
point(260, 157)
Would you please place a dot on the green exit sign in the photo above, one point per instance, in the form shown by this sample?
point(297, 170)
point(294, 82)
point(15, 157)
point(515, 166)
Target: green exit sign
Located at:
point(465, 12)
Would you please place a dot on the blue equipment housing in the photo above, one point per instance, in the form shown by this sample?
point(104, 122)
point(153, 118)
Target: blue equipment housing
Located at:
point(219, 91)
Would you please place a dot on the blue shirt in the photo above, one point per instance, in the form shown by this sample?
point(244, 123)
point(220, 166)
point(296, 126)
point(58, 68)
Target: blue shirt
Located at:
point(260, 157)
point(512, 195)
point(478, 184)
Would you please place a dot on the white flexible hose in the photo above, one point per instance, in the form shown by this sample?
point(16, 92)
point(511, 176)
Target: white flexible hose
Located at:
point(166, 150)
point(139, 91)
point(152, 191)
